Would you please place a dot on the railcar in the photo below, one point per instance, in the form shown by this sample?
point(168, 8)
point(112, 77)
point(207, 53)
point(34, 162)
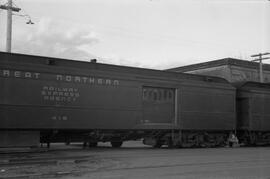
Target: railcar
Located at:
point(253, 113)
point(45, 100)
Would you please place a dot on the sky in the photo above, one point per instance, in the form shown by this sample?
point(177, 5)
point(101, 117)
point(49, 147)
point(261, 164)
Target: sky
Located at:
point(157, 34)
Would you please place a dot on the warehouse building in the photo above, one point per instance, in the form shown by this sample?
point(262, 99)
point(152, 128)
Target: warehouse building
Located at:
point(233, 70)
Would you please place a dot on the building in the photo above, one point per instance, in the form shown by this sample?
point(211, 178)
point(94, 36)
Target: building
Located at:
point(233, 70)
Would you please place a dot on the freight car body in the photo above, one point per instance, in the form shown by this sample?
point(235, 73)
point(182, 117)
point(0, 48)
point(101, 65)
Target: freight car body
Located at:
point(55, 100)
point(253, 110)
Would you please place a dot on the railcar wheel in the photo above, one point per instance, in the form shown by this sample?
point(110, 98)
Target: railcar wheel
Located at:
point(158, 144)
point(116, 144)
point(92, 144)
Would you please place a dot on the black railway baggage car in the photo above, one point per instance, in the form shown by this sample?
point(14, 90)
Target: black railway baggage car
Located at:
point(253, 113)
point(55, 100)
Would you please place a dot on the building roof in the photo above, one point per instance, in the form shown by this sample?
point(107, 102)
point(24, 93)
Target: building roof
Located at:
point(221, 62)
point(252, 84)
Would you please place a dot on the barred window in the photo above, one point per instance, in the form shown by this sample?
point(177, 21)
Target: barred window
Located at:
point(157, 94)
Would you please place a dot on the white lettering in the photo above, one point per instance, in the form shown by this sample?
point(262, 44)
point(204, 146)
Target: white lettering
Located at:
point(92, 80)
point(84, 79)
point(68, 78)
point(100, 81)
point(77, 79)
point(70, 90)
point(59, 77)
point(28, 75)
point(115, 82)
point(6, 73)
point(17, 74)
point(108, 82)
point(36, 75)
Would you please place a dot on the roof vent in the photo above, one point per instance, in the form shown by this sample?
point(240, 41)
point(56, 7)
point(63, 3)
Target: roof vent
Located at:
point(50, 62)
point(93, 60)
point(208, 79)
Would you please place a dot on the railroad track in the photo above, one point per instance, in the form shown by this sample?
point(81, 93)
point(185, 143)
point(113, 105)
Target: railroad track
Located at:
point(37, 150)
point(34, 157)
point(230, 165)
point(99, 160)
point(44, 160)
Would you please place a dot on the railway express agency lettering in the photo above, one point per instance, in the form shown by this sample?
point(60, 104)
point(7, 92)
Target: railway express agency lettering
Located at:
point(52, 93)
point(58, 77)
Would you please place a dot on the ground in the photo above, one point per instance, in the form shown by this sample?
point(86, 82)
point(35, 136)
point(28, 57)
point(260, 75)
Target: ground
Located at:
point(135, 160)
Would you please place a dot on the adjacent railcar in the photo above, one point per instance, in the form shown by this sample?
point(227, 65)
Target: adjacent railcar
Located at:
point(55, 100)
point(253, 110)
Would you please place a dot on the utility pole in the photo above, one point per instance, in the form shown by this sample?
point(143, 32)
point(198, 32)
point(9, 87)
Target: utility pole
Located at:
point(9, 9)
point(260, 59)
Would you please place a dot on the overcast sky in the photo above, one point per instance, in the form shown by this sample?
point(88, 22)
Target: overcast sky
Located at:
point(155, 34)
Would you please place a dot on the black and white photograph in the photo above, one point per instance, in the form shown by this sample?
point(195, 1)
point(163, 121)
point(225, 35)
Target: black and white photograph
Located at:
point(135, 89)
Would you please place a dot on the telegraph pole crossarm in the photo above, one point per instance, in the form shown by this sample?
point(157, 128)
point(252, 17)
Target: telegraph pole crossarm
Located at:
point(260, 54)
point(5, 7)
point(258, 59)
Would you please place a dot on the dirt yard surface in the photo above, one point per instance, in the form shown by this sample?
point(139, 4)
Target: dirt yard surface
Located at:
point(135, 160)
